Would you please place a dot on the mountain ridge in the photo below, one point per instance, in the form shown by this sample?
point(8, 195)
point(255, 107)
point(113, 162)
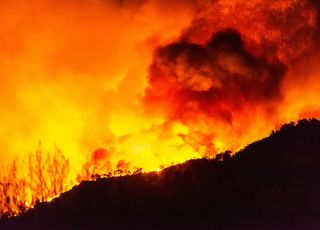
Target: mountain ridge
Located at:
point(271, 183)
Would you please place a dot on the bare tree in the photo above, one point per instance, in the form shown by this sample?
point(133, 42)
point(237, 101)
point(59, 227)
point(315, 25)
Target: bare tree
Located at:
point(46, 177)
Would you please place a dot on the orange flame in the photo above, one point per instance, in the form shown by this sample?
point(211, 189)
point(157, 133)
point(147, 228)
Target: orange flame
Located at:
point(132, 86)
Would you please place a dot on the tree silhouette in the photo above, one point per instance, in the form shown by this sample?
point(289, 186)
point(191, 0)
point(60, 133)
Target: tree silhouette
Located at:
point(46, 178)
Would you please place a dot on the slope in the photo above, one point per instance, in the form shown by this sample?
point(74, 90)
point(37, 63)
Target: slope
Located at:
point(272, 183)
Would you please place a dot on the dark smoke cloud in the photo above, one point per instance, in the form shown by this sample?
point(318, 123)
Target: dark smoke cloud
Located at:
point(128, 3)
point(216, 79)
point(286, 28)
point(316, 4)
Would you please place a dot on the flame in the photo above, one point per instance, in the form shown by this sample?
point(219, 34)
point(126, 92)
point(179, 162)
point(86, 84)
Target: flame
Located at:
point(125, 87)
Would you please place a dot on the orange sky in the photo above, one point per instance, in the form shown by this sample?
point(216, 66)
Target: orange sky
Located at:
point(73, 74)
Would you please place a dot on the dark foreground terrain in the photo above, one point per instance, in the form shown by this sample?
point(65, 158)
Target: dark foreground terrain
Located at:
point(272, 184)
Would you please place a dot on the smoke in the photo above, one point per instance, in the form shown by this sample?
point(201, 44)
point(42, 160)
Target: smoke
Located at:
point(70, 69)
point(205, 77)
point(285, 29)
point(152, 82)
point(218, 81)
point(232, 86)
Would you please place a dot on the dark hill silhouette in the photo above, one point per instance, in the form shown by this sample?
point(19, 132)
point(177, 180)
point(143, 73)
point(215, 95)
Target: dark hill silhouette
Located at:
point(273, 183)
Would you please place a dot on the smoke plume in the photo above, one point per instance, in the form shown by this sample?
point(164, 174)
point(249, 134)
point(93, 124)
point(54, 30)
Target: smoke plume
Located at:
point(146, 83)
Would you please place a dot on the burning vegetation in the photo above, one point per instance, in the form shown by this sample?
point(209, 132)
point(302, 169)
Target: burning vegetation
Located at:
point(132, 86)
point(46, 178)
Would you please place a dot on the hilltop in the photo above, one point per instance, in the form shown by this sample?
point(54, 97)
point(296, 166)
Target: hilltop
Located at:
point(272, 183)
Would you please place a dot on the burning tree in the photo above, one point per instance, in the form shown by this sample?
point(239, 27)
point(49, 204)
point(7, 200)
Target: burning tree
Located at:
point(46, 178)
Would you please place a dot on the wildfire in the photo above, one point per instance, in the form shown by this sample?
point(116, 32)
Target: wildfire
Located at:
point(124, 87)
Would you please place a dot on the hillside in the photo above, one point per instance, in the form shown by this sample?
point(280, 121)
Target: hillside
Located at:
point(272, 184)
